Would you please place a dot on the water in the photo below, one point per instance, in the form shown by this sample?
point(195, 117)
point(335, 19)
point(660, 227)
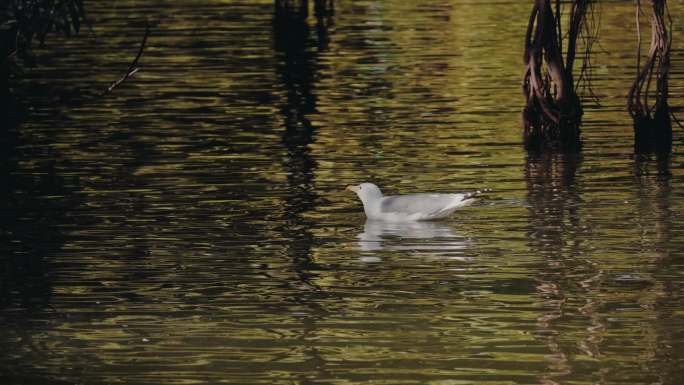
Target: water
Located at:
point(192, 226)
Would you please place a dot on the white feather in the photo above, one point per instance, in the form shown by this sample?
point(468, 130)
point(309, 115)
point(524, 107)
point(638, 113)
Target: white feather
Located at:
point(412, 207)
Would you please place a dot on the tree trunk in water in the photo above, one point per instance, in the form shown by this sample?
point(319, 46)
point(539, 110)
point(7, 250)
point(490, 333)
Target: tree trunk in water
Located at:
point(652, 124)
point(553, 112)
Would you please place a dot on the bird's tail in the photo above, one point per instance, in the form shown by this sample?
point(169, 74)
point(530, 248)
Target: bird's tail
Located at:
point(476, 193)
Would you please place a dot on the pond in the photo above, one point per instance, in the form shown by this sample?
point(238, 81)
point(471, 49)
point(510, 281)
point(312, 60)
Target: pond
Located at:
point(192, 227)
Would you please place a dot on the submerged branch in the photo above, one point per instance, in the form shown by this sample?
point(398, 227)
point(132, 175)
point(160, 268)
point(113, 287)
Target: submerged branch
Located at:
point(133, 67)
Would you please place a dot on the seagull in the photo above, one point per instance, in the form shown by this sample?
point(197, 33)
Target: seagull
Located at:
point(411, 207)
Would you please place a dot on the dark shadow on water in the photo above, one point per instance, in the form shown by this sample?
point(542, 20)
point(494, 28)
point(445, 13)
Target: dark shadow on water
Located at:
point(573, 288)
point(297, 49)
point(7, 379)
point(32, 204)
point(653, 186)
point(554, 201)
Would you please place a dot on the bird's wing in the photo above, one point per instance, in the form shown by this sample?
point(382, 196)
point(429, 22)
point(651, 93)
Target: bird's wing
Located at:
point(422, 203)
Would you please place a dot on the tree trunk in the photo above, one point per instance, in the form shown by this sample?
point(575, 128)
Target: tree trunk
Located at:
point(648, 107)
point(553, 112)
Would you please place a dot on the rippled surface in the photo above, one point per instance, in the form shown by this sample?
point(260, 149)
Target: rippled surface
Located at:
point(192, 226)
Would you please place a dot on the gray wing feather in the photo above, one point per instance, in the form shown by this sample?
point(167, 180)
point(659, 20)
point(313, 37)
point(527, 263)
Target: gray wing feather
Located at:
point(418, 203)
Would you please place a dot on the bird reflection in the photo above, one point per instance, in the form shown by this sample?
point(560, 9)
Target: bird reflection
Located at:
point(415, 236)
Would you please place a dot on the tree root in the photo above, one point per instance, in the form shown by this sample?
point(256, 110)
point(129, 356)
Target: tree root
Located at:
point(647, 107)
point(553, 111)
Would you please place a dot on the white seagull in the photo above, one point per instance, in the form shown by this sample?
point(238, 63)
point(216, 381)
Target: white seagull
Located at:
point(411, 207)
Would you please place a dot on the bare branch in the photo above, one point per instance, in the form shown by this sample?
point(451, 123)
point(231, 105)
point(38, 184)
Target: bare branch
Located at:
point(133, 68)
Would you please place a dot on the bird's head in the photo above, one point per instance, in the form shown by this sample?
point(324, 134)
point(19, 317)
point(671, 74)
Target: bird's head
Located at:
point(365, 191)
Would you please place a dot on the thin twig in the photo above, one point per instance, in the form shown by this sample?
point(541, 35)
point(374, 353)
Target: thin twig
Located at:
point(133, 68)
point(638, 28)
point(674, 117)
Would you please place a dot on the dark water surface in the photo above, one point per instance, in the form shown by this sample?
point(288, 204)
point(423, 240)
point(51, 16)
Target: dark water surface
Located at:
point(192, 228)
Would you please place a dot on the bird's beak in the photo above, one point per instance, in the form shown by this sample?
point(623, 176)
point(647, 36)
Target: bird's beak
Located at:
point(352, 188)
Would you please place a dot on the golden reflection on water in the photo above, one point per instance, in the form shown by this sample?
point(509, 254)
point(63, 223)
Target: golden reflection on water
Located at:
point(192, 228)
